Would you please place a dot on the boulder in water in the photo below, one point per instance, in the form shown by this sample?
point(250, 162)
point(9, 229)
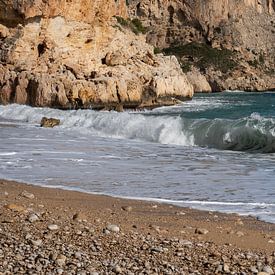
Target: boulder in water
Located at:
point(49, 122)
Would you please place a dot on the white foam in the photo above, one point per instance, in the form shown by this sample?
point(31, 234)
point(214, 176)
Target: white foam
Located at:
point(8, 153)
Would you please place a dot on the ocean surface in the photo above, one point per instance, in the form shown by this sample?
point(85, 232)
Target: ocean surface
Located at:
point(216, 152)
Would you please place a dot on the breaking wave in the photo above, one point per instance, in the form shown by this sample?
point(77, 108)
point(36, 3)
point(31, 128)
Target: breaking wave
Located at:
point(253, 133)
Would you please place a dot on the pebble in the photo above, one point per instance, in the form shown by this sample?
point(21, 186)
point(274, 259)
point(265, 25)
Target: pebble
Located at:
point(15, 207)
point(157, 249)
point(113, 228)
point(53, 227)
point(61, 260)
point(254, 269)
point(117, 269)
point(268, 269)
point(239, 233)
point(27, 195)
point(36, 242)
point(185, 243)
point(33, 218)
point(201, 231)
point(127, 208)
point(79, 217)
point(226, 268)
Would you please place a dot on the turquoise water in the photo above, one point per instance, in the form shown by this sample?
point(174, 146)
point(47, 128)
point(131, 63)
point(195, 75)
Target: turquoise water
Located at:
point(230, 121)
point(215, 152)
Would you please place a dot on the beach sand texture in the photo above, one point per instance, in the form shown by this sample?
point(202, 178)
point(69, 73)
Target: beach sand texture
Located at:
point(52, 231)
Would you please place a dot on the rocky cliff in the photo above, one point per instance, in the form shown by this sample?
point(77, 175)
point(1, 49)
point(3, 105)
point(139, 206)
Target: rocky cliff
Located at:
point(80, 54)
point(229, 43)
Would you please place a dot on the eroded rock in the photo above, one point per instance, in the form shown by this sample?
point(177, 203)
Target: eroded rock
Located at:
point(79, 56)
point(49, 122)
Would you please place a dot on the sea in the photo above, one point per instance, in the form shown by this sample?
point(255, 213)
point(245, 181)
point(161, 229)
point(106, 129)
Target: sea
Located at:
point(215, 152)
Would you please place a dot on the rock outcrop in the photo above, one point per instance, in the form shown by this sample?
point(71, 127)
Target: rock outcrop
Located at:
point(49, 122)
point(246, 28)
point(78, 55)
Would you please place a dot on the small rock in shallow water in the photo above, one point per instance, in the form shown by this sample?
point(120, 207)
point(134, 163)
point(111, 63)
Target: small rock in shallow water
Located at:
point(27, 195)
point(113, 228)
point(53, 227)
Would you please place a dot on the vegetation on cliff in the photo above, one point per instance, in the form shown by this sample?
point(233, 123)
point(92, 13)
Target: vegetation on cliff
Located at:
point(135, 25)
point(203, 56)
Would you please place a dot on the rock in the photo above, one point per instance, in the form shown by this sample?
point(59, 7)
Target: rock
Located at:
point(254, 269)
point(61, 260)
point(127, 208)
point(78, 255)
point(201, 231)
point(113, 228)
point(33, 218)
point(79, 217)
point(118, 70)
point(28, 236)
point(157, 249)
point(15, 207)
point(185, 243)
point(36, 242)
point(222, 34)
point(198, 81)
point(4, 31)
point(226, 268)
point(49, 122)
point(268, 269)
point(53, 227)
point(27, 195)
point(117, 269)
point(239, 233)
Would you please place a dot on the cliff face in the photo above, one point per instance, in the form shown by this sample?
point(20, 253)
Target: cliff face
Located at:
point(246, 28)
point(76, 54)
point(19, 11)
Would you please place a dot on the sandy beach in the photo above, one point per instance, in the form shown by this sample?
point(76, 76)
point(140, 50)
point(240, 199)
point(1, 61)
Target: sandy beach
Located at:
point(52, 231)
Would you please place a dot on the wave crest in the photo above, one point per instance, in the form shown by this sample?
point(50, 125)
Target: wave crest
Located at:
point(254, 133)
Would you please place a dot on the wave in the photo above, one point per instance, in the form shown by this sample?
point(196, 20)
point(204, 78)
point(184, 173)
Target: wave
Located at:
point(253, 133)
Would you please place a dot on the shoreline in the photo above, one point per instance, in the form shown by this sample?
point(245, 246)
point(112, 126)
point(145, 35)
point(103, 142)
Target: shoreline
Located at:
point(170, 203)
point(171, 232)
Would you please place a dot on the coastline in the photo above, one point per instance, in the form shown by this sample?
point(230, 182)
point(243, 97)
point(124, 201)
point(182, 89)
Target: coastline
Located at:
point(173, 231)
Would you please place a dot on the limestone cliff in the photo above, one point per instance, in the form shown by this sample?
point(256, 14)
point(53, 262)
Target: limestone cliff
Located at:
point(76, 54)
point(238, 35)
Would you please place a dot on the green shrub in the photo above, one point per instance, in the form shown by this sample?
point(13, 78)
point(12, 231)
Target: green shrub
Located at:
point(157, 50)
point(123, 22)
point(137, 27)
point(135, 24)
point(204, 56)
point(186, 66)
